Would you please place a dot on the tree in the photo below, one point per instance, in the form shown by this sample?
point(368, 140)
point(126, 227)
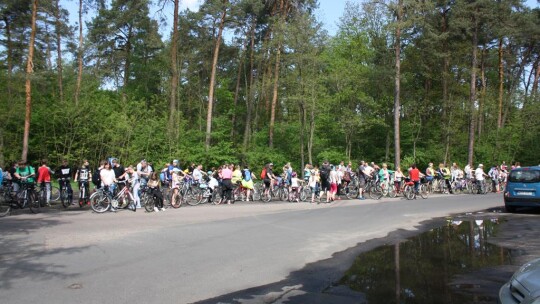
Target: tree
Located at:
point(28, 86)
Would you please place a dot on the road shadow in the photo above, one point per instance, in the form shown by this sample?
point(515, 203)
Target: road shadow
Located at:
point(23, 255)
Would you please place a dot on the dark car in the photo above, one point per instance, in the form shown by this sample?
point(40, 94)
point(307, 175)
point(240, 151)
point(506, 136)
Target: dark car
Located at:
point(523, 188)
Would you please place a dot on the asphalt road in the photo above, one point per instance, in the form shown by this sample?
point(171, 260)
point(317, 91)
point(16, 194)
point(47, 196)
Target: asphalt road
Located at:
point(193, 253)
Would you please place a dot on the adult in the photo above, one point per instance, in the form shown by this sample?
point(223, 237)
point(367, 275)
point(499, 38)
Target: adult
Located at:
point(268, 178)
point(108, 178)
point(82, 175)
point(14, 179)
point(430, 172)
point(494, 173)
point(363, 176)
point(64, 174)
point(247, 181)
point(143, 171)
point(479, 175)
point(135, 181)
point(226, 176)
point(198, 174)
point(334, 181)
point(324, 174)
point(414, 175)
point(119, 173)
point(44, 178)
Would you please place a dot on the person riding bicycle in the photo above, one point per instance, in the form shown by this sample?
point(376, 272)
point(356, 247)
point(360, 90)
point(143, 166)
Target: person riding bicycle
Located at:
point(155, 192)
point(363, 172)
point(479, 176)
point(64, 174)
point(295, 186)
point(430, 172)
point(247, 181)
point(25, 173)
point(385, 174)
point(445, 173)
point(108, 178)
point(236, 179)
point(82, 175)
point(269, 178)
point(44, 179)
point(414, 175)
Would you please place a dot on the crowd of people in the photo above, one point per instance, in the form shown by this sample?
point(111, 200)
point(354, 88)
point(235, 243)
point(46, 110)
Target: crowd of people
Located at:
point(326, 178)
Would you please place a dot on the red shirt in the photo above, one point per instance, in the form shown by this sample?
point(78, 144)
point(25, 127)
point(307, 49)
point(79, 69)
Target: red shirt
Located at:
point(44, 175)
point(414, 174)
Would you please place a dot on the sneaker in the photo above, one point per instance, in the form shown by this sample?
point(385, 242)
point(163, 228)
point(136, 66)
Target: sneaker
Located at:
point(162, 209)
point(361, 198)
point(156, 209)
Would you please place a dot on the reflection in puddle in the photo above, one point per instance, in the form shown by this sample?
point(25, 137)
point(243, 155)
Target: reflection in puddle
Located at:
point(423, 269)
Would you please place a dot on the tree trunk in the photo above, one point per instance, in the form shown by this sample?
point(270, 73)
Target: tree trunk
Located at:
point(274, 98)
point(28, 85)
point(472, 95)
point(213, 80)
point(237, 90)
point(127, 64)
point(174, 71)
point(482, 99)
point(311, 127)
point(9, 54)
point(446, 100)
point(534, 91)
point(59, 50)
point(249, 95)
point(397, 102)
point(501, 80)
point(79, 56)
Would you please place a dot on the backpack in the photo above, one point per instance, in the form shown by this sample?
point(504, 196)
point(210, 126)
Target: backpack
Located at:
point(247, 175)
point(263, 173)
point(324, 172)
point(96, 177)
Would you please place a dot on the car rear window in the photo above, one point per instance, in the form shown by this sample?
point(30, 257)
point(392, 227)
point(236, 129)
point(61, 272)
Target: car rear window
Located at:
point(525, 176)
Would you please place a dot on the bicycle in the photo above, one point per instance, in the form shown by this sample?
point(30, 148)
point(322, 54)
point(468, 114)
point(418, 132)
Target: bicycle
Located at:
point(27, 197)
point(42, 195)
point(64, 192)
point(83, 193)
point(240, 193)
point(7, 198)
point(103, 200)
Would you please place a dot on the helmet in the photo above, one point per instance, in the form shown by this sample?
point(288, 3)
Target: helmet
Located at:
point(209, 172)
point(293, 174)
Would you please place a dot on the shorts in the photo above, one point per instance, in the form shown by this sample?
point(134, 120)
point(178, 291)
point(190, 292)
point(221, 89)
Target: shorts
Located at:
point(333, 187)
point(325, 185)
point(361, 183)
point(267, 183)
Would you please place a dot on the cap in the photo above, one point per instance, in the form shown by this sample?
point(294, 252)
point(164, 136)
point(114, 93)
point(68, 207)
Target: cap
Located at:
point(175, 161)
point(209, 172)
point(480, 165)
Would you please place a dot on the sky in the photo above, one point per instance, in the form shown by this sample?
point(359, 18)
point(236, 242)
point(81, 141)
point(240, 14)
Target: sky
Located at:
point(328, 13)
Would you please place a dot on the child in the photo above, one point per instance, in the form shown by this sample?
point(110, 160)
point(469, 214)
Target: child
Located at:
point(153, 186)
point(295, 186)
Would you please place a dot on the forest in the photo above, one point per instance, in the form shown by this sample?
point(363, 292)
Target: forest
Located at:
point(254, 81)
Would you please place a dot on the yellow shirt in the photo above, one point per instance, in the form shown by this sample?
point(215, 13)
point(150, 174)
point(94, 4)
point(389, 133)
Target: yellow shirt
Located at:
point(236, 176)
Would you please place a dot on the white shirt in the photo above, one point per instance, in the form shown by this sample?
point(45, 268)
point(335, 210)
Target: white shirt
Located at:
point(479, 174)
point(197, 175)
point(294, 182)
point(213, 183)
point(107, 177)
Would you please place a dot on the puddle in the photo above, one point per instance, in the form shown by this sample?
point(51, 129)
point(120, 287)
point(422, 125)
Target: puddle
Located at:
point(442, 265)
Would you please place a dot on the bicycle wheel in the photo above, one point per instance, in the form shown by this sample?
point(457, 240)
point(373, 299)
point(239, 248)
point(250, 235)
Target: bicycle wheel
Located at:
point(375, 192)
point(456, 187)
point(408, 192)
point(266, 196)
point(392, 193)
point(423, 191)
point(42, 197)
point(148, 203)
point(33, 202)
point(5, 206)
point(216, 196)
point(100, 202)
point(64, 198)
point(191, 196)
point(351, 192)
point(283, 194)
point(255, 194)
point(176, 200)
point(55, 193)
